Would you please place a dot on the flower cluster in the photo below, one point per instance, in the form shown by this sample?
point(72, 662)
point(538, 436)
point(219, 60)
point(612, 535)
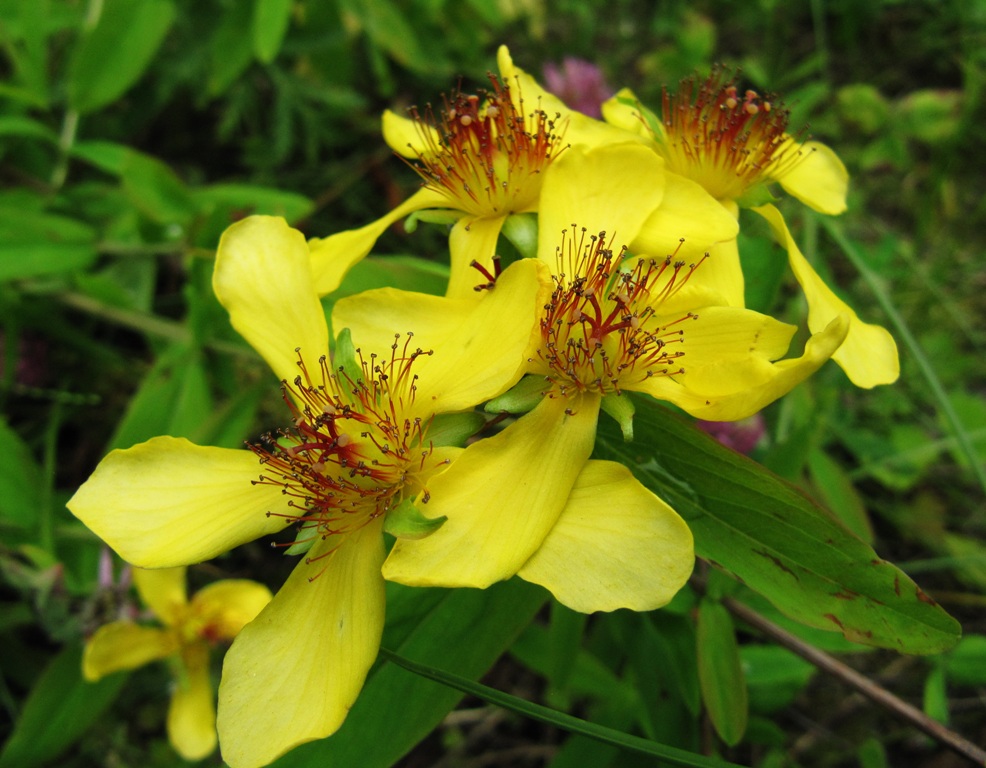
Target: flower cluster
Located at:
point(633, 283)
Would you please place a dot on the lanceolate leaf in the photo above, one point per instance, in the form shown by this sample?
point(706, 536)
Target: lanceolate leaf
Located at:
point(775, 539)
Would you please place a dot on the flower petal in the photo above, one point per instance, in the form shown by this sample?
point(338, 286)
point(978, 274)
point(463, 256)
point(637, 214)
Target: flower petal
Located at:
point(616, 545)
point(332, 257)
point(170, 502)
point(478, 346)
point(869, 353)
point(263, 278)
point(124, 645)
point(293, 673)
point(613, 188)
point(689, 223)
point(819, 179)
point(472, 239)
point(625, 116)
point(192, 713)
point(226, 606)
point(403, 135)
point(579, 129)
point(737, 385)
point(501, 497)
point(163, 591)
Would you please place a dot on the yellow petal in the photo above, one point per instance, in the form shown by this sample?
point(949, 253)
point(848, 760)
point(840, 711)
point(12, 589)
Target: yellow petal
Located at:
point(472, 239)
point(819, 179)
point(163, 591)
point(226, 606)
point(616, 545)
point(501, 496)
point(332, 257)
point(479, 346)
point(293, 673)
point(689, 223)
point(737, 386)
point(869, 353)
point(625, 116)
point(403, 135)
point(124, 645)
point(169, 502)
point(192, 713)
point(578, 129)
point(263, 278)
point(609, 188)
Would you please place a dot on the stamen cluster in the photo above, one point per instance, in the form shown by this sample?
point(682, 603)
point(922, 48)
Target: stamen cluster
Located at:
point(600, 331)
point(351, 454)
point(723, 140)
point(484, 153)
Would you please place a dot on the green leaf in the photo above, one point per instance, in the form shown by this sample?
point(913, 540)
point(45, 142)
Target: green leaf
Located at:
point(270, 23)
point(231, 47)
point(454, 428)
point(245, 199)
point(621, 409)
point(59, 710)
point(775, 539)
point(385, 25)
point(156, 190)
point(720, 673)
point(464, 632)
point(520, 398)
point(839, 494)
point(20, 481)
point(774, 676)
point(106, 155)
point(935, 696)
point(672, 755)
point(25, 127)
point(405, 521)
point(113, 56)
point(33, 243)
point(965, 664)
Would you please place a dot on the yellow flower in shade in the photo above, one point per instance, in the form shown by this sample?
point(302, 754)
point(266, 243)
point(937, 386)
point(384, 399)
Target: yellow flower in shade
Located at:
point(480, 159)
point(355, 455)
point(190, 628)
point(528, 501)
point(735, 144)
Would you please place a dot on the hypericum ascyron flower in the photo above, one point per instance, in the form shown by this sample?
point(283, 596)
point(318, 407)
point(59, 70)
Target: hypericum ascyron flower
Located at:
point(735, 143)
point(191, 627)
point(356, 457)
point(610, 324)
point(481, 158)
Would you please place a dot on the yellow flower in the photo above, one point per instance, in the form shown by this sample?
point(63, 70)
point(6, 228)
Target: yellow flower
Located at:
point(191, 627)
point(480, 159)
point(355, 455)
point(528, 501)
point(736, 144)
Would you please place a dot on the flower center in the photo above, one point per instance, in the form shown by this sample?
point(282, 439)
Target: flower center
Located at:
point(485, 155)
point(600, 331)
point(352, 453)
point(725, 141)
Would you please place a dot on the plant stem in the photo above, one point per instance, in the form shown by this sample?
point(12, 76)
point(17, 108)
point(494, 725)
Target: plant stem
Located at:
point(859, 682)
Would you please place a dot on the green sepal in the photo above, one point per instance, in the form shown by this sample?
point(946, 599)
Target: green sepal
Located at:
point(405, 521)
point(431, 216)
point(621, 408)
point(301, 546)
point(454, 428)
point(755, 196)
point(522, 398)
point(344, 357)
point(521, 229)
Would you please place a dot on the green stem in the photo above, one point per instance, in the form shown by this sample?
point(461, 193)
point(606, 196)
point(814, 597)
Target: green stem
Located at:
point(46, 511)
point(900, 326)
point(671, 755)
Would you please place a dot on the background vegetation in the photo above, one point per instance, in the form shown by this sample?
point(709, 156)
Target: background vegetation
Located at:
point(132, 132)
